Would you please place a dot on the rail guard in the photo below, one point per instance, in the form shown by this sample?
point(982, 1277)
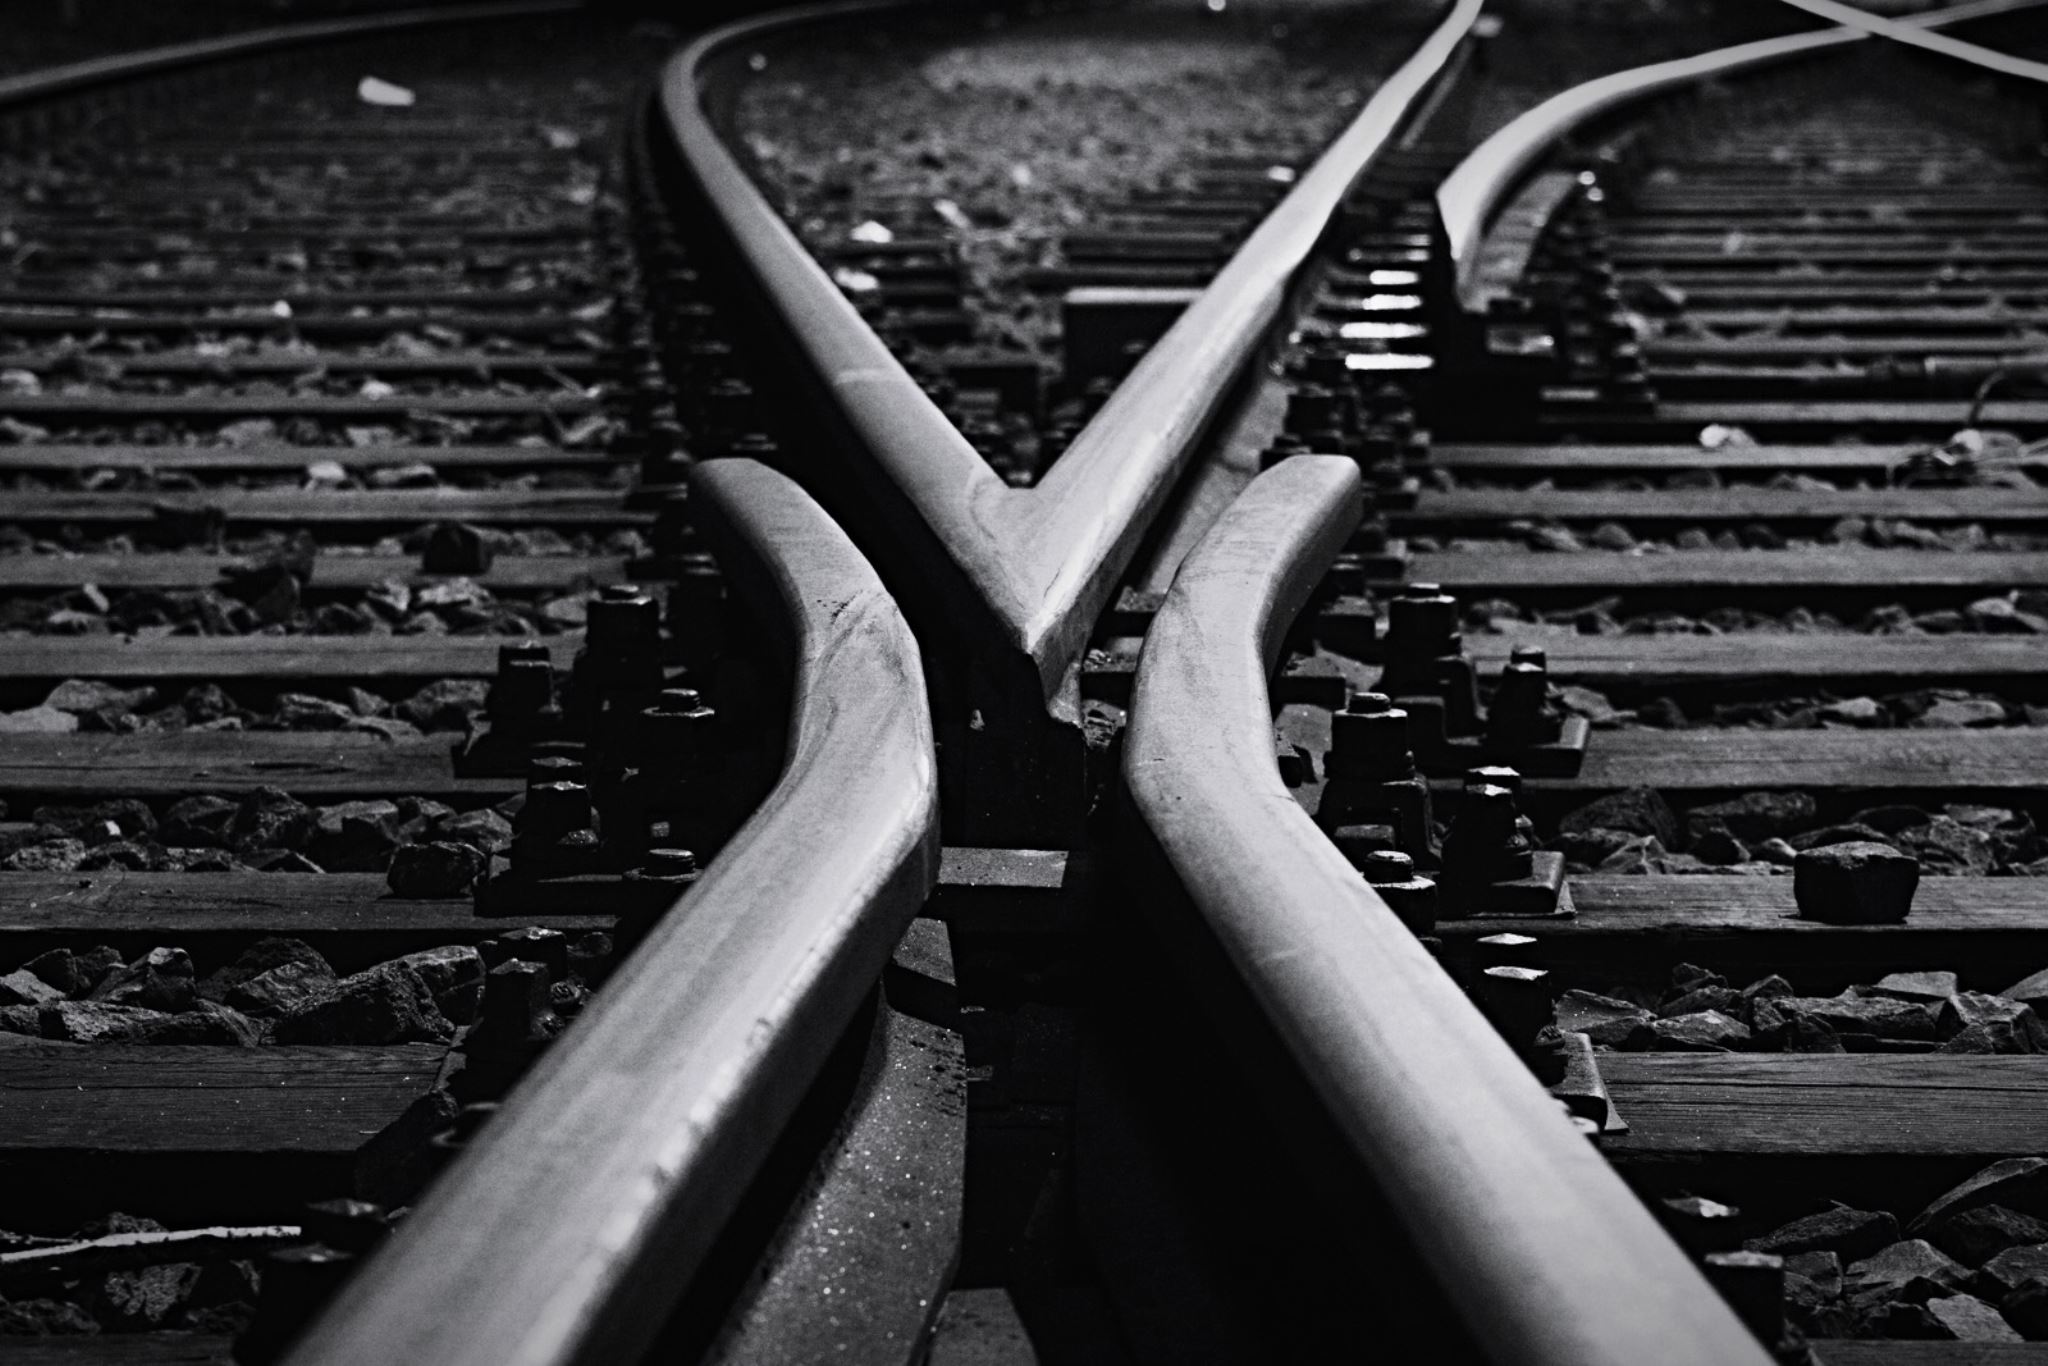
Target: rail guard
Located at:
point(64, 80)
point(1530, 1233)
point(1043, 562)
point(1481, 183)
point(587, 1203)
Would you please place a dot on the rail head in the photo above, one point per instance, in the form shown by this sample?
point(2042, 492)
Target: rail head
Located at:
point(1531, 1234)
point(76, 76)
point(580, 1214)
point(1041, 562)
point(1483, 181)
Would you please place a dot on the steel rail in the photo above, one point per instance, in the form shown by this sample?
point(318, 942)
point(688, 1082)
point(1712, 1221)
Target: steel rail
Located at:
point(1042, 562)
point(69, 79)
point(1916, 35)
point(579, 1216)
point(1551, 1259)
point(1482, 182)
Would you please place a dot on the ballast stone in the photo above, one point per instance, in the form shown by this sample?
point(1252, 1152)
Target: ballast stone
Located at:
point(1606, 1021)
point(2018, 1183)
point(1965, 1318)
point(1914, 1270)
point(1929, 987)
point(438, 869)
point(1705, 1031)
point(1974, 1236)
point(1856, 883)
point(1851, 1234)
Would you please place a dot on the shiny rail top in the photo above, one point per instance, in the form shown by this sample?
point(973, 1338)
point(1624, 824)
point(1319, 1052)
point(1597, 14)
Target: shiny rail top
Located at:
point(1043, 562)
point(579, 1216)
point(1548, 1254)
point(1483, 181)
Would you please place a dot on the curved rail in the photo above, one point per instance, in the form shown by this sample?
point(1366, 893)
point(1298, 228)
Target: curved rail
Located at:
point(1529, 1232)
point(1481, 182)
point(1042, 561)
point(1918, 35)
point(64, 80)
point(581, 1213)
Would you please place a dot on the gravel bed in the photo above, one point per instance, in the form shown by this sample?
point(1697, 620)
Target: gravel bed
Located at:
point(184, 1297)
point(1971, 1265)
point(1907, 1012)
point(274, 991)
point(314, 382)
point(333, 472)
point(1761, 833)
point(2016, 613)
point(413, 428)
point(269, 602)
point(268, 831)
point(90, 705)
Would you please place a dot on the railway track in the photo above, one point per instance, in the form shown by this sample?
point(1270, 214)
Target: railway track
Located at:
point(1433, 654)
point(368, 698)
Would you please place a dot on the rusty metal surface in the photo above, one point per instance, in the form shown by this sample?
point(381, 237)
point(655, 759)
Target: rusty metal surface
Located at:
point(1550, 1256)
point(580, 1215)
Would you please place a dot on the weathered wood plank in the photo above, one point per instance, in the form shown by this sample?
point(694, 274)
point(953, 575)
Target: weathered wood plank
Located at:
point(119, 1098)
point(1987, 930)
point(2003, 760)
point(1712, 201)
point(1877, 1352)
point(515, 573)
point(274, 458)
point(312, 766)
point(215, 1134)
point(1581, 457)
point(27, 658)
point(562, 507)
point(1509, 575)
point(120, 1349)
point(284, 404)
point(1692, 506)
point(352, 918)
point(1779, 658)
point(1826, 1106)
point(1738, 349)
point(1811, 418)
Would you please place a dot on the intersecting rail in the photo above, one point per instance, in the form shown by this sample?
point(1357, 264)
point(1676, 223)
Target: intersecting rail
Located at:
point(1550, 1256)
point(1038, 565)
